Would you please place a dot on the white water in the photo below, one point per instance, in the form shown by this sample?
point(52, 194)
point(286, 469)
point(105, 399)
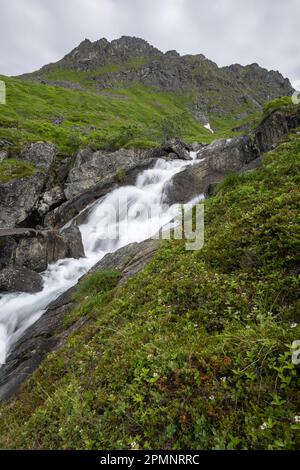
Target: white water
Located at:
point(126, 215)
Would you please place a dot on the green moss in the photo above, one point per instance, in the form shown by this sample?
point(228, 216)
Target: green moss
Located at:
point(195, 351)
point(11, 169)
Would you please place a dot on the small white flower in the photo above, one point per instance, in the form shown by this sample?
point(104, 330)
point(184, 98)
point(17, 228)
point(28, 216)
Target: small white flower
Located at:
point(263, 426)
point(133, 444)
point(196, 325)
point(294, 325)
point(155, 374)
point(223, 379)
point(297, 419)
point(211, 397)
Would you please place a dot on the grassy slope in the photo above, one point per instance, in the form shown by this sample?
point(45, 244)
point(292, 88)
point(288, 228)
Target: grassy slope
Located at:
point(195, 351)
point(120, 117)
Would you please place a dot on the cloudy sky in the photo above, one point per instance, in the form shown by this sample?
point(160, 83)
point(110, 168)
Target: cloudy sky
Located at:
point(36, 32)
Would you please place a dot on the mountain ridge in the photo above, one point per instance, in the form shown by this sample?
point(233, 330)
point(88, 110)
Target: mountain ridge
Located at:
point(128, 61)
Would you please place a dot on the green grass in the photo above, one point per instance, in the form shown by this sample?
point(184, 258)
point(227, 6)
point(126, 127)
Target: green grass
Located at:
point(195, 351)
point(11, 169)
point(120, 117)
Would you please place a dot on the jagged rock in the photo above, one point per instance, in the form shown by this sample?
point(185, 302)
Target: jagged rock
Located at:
point(49, 332)
point(39, 154)
point(177, 147)
point(20, 280)
point(35, 249)
point(72, 236)
point(91, 168)
point(18, 199)
point(228, 154)
point(70, 209)
point(217, 90)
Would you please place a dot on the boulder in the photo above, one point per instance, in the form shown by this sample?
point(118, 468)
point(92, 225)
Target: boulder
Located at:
point(35, 249)
point(40, 154)
point(80, 204)
point(177, 147)
point(72, 236)
point(92, 168)
point(20, 280)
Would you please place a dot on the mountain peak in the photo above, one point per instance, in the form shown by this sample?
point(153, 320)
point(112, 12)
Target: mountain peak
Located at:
point(90, 55)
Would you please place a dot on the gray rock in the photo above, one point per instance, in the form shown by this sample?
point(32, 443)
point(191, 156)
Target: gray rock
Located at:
point(3, 155)
point(228, 155)
point(91, 168)
point(35, 249)
point(20, 280)
point(49, 332)
point(18, 199)
point(39, 154)
point(72, 236)
point(176, 146)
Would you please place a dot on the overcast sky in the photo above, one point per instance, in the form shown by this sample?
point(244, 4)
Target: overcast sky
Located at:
point(36, 32)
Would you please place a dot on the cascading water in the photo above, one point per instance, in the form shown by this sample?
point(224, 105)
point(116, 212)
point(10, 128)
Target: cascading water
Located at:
point(126, 215)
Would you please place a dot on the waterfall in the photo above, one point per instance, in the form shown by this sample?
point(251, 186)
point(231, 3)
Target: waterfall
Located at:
point(126, 215)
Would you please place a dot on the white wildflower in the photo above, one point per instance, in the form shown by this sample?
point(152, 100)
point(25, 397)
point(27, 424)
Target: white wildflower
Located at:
point(263, 426)
point(294, 325)
point(297, 419)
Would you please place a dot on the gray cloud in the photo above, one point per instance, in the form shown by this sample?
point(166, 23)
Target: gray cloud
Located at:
point(36, 32)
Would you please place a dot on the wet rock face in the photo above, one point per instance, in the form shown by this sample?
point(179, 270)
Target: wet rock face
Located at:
point(35, 249)
point(20, 280)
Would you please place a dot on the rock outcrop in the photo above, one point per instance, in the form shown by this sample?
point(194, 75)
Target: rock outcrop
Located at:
point(216, 90)
point(49, 332)
point(232, 155)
